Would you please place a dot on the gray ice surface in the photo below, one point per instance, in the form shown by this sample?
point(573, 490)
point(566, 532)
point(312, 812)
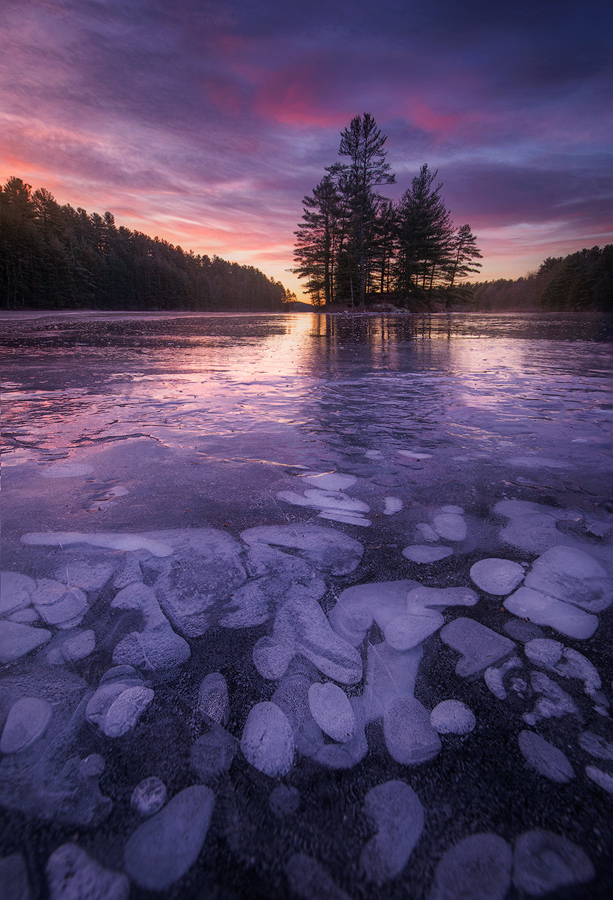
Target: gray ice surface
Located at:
point(267, 742)
point(452, 717)
point(395, 812)
point(479, 646)
point(545, 758)
point(497, 576)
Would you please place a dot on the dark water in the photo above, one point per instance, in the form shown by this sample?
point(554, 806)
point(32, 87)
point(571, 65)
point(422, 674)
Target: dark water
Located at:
point(143, 450)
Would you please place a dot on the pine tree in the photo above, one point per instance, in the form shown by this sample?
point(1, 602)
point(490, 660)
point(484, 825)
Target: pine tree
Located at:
point(318, 241)
point(464, 252)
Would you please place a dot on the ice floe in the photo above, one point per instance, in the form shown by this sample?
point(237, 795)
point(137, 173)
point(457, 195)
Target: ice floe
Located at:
point(156, 646)
point(164, 848)
point(213, 752)
point(596, 746)
point(267, 742)
point(112, 540)
point(421, 553)
point(332, 711)
point(557, 614)
point(70, 646)
point(569, 663)
point(73, 875)
point(15, 592)
point(26, 722)
point(532, 526)
point(479, 646)
point(395, 811)
point(119, 701)
point(602, 779)
point(426, 533)
point(409, 736)
point(328, 481)
point(17, 640)
point(553, 702)
point(571, 575)
point(325, 548)
point(450, 526)
point(478, 867)
point(213, 699)
point(544, 861)
point(452, 717)
point(149, 796)
point(494, 676)
point(497, 576)
point(546, 759)
point(392, 505)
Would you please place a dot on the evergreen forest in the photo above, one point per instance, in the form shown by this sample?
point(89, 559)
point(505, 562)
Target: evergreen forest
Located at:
point(355, 246)
point(57, 257)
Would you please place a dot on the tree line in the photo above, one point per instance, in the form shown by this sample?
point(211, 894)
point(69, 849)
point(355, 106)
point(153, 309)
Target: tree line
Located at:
point(579, 281)
point(354, 244)
point(57, 257)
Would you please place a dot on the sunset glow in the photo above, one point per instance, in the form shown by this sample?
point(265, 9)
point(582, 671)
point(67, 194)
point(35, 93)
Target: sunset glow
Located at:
point(205, 122)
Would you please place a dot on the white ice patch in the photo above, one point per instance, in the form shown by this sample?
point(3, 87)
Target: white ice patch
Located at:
point(331, 709)
point(415, 454)
point(450, 526)
point(426, 532)
point(15, 592)
point(267, 742)
point(329, 481)
point(112, 540)
point(373, 454)
point(546, 759)
point(565, 661)
point(554, 703)
point(420, 553)
point(453, 510)
point(538, 462)
point(392, 505)
point(333, 516)
point(452, 717)
point(494, 677)
point(542, 609)
point(119, 702)
point(596, 746)
point(148, 797)
point(59, 605)
point(213, 700)
point(497, 576)
point(328, 549)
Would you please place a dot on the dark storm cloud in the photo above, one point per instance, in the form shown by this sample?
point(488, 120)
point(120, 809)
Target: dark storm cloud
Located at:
point(205, 118)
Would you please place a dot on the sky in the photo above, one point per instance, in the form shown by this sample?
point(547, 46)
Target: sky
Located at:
point(205, 122)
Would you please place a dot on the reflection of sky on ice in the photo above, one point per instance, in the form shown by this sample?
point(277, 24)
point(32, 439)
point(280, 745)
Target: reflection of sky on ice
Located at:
point(272, 583)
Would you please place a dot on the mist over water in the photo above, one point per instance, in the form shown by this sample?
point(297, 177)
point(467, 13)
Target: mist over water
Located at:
point(328, 594)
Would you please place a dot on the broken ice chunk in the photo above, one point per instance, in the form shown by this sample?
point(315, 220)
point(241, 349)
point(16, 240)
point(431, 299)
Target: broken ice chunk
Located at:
point(267, 742)
point(340, 516)
point(89, 577)
point(478, 867)
point(415, 454)
point(410, 629)
point(494, 677)
point(420, 553)
point(565, 661)
point(545, 610)
point(571, 575)
point(545, 758)
point(119, 702)
point(17, 640)
point(331, 709)
point(389, 674)
point(497, 576)
point(395, 811)
point(292, 697)
point(544, 861)
point(15, 591)
point(392, 505)
point(213, 752)
point(57, 604)
point(479, 646)
point(596, 746)
point(73, 875)
point(409, 736)
point(602, 779)
point(426, 532)
point(149, 796)
point(163, 848)
point(329, 550)
point(26, 722)
point(213, 698)
point(450, 526)
point(452, 717)
point(349, 753)
point(554, 702)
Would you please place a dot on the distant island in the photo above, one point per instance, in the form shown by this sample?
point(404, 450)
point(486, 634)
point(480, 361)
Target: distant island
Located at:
point(356, 248)
point(57, 257)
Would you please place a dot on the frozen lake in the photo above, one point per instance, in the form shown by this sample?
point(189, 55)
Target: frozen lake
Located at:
point(307, 607)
